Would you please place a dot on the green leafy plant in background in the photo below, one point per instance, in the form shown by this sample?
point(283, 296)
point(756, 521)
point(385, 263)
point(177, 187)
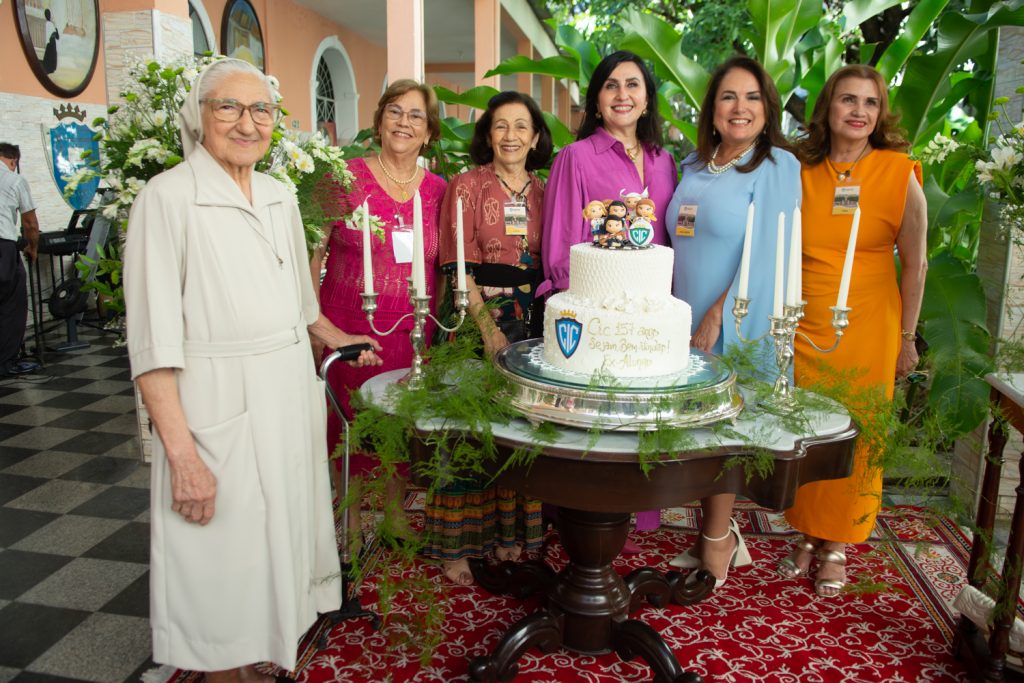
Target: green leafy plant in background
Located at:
point(941, 58)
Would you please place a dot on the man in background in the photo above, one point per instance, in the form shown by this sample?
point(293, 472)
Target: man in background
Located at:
point(15, 199)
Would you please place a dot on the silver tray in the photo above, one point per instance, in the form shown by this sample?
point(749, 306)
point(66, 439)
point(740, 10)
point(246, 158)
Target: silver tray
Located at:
point(703, 394)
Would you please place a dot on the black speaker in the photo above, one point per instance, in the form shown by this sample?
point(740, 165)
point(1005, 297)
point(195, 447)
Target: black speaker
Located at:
point(68, 299)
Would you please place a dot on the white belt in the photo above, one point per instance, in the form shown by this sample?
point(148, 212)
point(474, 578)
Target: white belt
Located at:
point(249, 347)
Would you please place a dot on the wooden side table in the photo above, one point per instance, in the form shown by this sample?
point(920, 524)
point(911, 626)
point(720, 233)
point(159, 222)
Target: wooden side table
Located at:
point(987, 660)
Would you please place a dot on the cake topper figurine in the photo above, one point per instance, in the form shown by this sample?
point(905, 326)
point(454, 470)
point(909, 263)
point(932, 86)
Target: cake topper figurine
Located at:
point(613, 227)
point(595, 212)
point(631, 199)
point(614, 232)
point(619, 208)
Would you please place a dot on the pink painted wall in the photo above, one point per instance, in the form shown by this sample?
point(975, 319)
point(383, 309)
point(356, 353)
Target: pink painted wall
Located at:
point(291, 35)
point(179, 7)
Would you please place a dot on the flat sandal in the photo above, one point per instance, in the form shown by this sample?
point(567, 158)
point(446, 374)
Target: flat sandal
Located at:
point(787, 566)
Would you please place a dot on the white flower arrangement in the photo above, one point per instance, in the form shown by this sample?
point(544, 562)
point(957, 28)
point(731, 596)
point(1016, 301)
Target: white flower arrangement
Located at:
point(998, 170)
point(140, 139)
point(936, 151)
point(1003, 171)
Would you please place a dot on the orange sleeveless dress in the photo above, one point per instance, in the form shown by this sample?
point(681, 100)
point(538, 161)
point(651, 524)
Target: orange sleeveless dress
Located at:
point(844, 509)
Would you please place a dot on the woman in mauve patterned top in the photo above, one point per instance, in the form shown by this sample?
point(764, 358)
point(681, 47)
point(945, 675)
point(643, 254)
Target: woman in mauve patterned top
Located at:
point(501, 214)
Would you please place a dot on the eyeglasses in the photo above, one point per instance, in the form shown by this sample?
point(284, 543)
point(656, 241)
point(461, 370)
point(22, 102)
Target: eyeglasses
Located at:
point(417, 117)
point(229, 111)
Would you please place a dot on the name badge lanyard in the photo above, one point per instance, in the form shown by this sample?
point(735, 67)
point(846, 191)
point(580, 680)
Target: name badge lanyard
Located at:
point(401, 239)
point(686, 219)
point(516, 209)
point(847, 193)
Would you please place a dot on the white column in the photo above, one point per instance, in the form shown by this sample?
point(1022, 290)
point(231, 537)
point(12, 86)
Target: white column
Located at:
point(142, 32)
point(405, 40)
point(486, 40)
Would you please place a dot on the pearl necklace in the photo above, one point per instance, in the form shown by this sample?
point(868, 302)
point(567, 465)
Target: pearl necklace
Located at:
point(400, 183)
point(718, 170)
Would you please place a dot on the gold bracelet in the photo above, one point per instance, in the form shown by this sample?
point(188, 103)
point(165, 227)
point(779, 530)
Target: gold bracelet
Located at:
point(908, 336)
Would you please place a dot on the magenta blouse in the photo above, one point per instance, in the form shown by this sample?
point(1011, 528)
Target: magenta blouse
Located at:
point(596, 167)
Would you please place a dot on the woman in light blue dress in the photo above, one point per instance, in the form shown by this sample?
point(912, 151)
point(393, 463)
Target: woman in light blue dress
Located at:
point(741, 157)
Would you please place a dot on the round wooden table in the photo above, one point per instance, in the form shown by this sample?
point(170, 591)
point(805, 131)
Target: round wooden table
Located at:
point(596, 485)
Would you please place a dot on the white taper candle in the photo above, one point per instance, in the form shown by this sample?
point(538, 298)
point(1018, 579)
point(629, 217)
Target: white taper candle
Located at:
point(780, 248)
point(851, 248)
point(367, 252)
point(793, 274)
point(419, 281)
point(460, 248)
point(745, 259)
point(800, 270)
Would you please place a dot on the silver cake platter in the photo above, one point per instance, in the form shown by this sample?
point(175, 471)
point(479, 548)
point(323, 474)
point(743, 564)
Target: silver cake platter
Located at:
point(704, 393)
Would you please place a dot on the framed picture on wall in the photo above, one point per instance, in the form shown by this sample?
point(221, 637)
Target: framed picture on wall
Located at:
point(61, 40)
point(241, 36)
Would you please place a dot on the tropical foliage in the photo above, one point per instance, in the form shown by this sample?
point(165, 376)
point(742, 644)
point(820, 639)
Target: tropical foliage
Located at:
point(940, 57)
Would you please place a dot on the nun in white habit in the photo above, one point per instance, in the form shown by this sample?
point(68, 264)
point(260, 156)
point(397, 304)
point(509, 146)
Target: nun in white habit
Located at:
point(220, 309)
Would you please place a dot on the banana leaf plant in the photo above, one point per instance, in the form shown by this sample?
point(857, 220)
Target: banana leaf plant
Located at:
point(800, 44)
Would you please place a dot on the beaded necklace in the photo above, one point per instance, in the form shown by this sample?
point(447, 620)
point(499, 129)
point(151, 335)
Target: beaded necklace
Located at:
point(715, 169)
point(402, 184)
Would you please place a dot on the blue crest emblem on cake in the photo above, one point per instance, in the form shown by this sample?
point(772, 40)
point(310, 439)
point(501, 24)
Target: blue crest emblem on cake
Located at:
point(568, 330)
point(641, 233)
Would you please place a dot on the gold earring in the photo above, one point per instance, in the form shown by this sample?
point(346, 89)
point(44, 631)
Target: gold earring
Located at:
point(598, 115)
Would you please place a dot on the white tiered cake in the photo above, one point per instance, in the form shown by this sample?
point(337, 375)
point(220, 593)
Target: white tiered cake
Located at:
point(618, 315)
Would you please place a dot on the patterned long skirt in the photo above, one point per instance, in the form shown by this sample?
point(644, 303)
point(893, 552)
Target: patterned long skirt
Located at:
point(471, 519)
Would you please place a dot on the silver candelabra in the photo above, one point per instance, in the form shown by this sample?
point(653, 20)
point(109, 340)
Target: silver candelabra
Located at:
point(420, 313)
point(783, 330)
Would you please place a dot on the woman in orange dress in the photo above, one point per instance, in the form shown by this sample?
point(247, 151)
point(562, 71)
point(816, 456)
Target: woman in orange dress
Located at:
point(853, 155)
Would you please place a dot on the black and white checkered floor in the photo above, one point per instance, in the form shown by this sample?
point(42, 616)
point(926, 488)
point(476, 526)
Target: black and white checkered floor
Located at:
point(74, 522)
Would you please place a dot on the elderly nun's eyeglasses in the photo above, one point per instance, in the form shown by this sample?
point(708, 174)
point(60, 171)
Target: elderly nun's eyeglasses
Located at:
point(229, 111)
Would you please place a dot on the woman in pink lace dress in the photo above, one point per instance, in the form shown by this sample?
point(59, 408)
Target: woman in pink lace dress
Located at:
point(406, 122)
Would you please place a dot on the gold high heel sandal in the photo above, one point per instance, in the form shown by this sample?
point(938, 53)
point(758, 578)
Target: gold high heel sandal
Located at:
point(787, 566)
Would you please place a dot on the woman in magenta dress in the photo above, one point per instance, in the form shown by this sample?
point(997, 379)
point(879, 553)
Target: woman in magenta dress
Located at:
point(406, 122)
point(618, 152)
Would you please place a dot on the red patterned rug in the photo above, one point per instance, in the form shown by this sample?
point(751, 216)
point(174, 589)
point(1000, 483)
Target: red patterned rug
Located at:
point(757, 627)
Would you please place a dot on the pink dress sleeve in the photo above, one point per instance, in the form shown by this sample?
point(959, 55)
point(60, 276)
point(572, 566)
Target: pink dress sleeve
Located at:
point(564, 224)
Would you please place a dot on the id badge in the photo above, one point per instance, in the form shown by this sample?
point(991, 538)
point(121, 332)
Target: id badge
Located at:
point(401, 241)
point(846, 200)
point(687, 220)
point(515, 218)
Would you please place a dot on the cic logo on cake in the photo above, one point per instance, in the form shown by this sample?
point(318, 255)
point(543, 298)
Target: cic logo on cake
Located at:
point(641, 234)
point(568, 330)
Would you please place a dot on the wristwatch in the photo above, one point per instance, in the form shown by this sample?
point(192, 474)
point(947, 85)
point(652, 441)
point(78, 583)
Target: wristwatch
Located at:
point(908, 336)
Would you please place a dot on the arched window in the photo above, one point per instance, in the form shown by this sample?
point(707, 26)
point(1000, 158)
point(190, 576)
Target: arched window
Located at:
point(326, 108)
point(202, 32)
point(332, 90)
